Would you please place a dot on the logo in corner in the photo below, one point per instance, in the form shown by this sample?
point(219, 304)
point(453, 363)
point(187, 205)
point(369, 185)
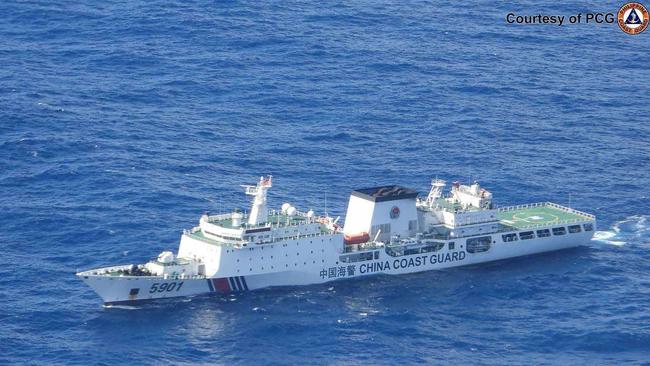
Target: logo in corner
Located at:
point(633, 18)
point(394, 212)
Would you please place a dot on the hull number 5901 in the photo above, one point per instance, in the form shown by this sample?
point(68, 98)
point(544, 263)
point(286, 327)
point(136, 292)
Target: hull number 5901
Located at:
point(169, 287)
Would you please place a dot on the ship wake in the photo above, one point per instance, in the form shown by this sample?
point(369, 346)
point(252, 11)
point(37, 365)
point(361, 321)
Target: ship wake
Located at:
point(624, 231)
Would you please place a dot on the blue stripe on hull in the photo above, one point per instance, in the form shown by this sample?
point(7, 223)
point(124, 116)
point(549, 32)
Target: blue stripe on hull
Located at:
point(239, 285)
point(232, 284)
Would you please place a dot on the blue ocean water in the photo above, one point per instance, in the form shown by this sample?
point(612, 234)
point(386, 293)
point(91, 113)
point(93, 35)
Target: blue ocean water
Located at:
point(121, 122)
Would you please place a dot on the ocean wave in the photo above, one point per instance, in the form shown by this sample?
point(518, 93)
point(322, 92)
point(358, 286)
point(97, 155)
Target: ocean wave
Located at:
point(632, 228)
point(606, 236)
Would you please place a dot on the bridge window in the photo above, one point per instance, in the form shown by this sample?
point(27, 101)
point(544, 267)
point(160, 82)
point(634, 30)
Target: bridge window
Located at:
point(574, 229)
point(411, 251)
point(525, 235)
point(436, 246)
point(357, 257)
point(543, 233)
point(478, 245)
point(588, 227)
point(559, 230)
point(509, 237)
point(394, 252)
point(398, 251)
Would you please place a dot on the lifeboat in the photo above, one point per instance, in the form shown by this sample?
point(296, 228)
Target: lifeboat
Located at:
point(356, 238)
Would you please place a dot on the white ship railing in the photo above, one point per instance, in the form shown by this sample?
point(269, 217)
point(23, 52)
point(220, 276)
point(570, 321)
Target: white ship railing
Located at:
point(219, 217)
point(571, 210)
point(522, 207)
point(272, 240)
point(214, 219)
point(545, 204)
point(113, 271)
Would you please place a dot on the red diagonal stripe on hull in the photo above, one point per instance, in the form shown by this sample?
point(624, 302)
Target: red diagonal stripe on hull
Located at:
point(221, 285)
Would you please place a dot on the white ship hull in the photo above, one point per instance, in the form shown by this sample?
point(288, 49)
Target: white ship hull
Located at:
point(308, 265)
point(388, 230)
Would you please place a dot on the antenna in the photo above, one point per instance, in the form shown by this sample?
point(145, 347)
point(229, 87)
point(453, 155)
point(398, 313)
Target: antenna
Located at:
point(569, 199)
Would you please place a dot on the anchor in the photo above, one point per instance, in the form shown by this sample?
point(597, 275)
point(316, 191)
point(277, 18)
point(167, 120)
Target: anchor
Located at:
point(633, 18)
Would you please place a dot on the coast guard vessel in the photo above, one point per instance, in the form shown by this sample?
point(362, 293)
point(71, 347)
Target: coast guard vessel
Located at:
point(388, 230)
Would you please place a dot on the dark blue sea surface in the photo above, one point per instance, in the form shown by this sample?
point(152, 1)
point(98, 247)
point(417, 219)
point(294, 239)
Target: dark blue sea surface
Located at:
point(121, 122)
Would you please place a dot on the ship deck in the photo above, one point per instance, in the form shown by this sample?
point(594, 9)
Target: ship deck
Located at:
point(540, 214)
point(277, 219)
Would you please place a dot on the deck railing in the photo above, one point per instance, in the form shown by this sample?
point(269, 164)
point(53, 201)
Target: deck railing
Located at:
point(219, 217)
point(551, 204)
point(214, 219)
point(572, 210)
point(275, 239)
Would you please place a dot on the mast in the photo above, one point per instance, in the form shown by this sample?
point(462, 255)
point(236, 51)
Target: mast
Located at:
point(259, 213)
point(437, 185)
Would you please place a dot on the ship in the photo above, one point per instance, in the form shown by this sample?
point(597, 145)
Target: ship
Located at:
point(388, 230)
